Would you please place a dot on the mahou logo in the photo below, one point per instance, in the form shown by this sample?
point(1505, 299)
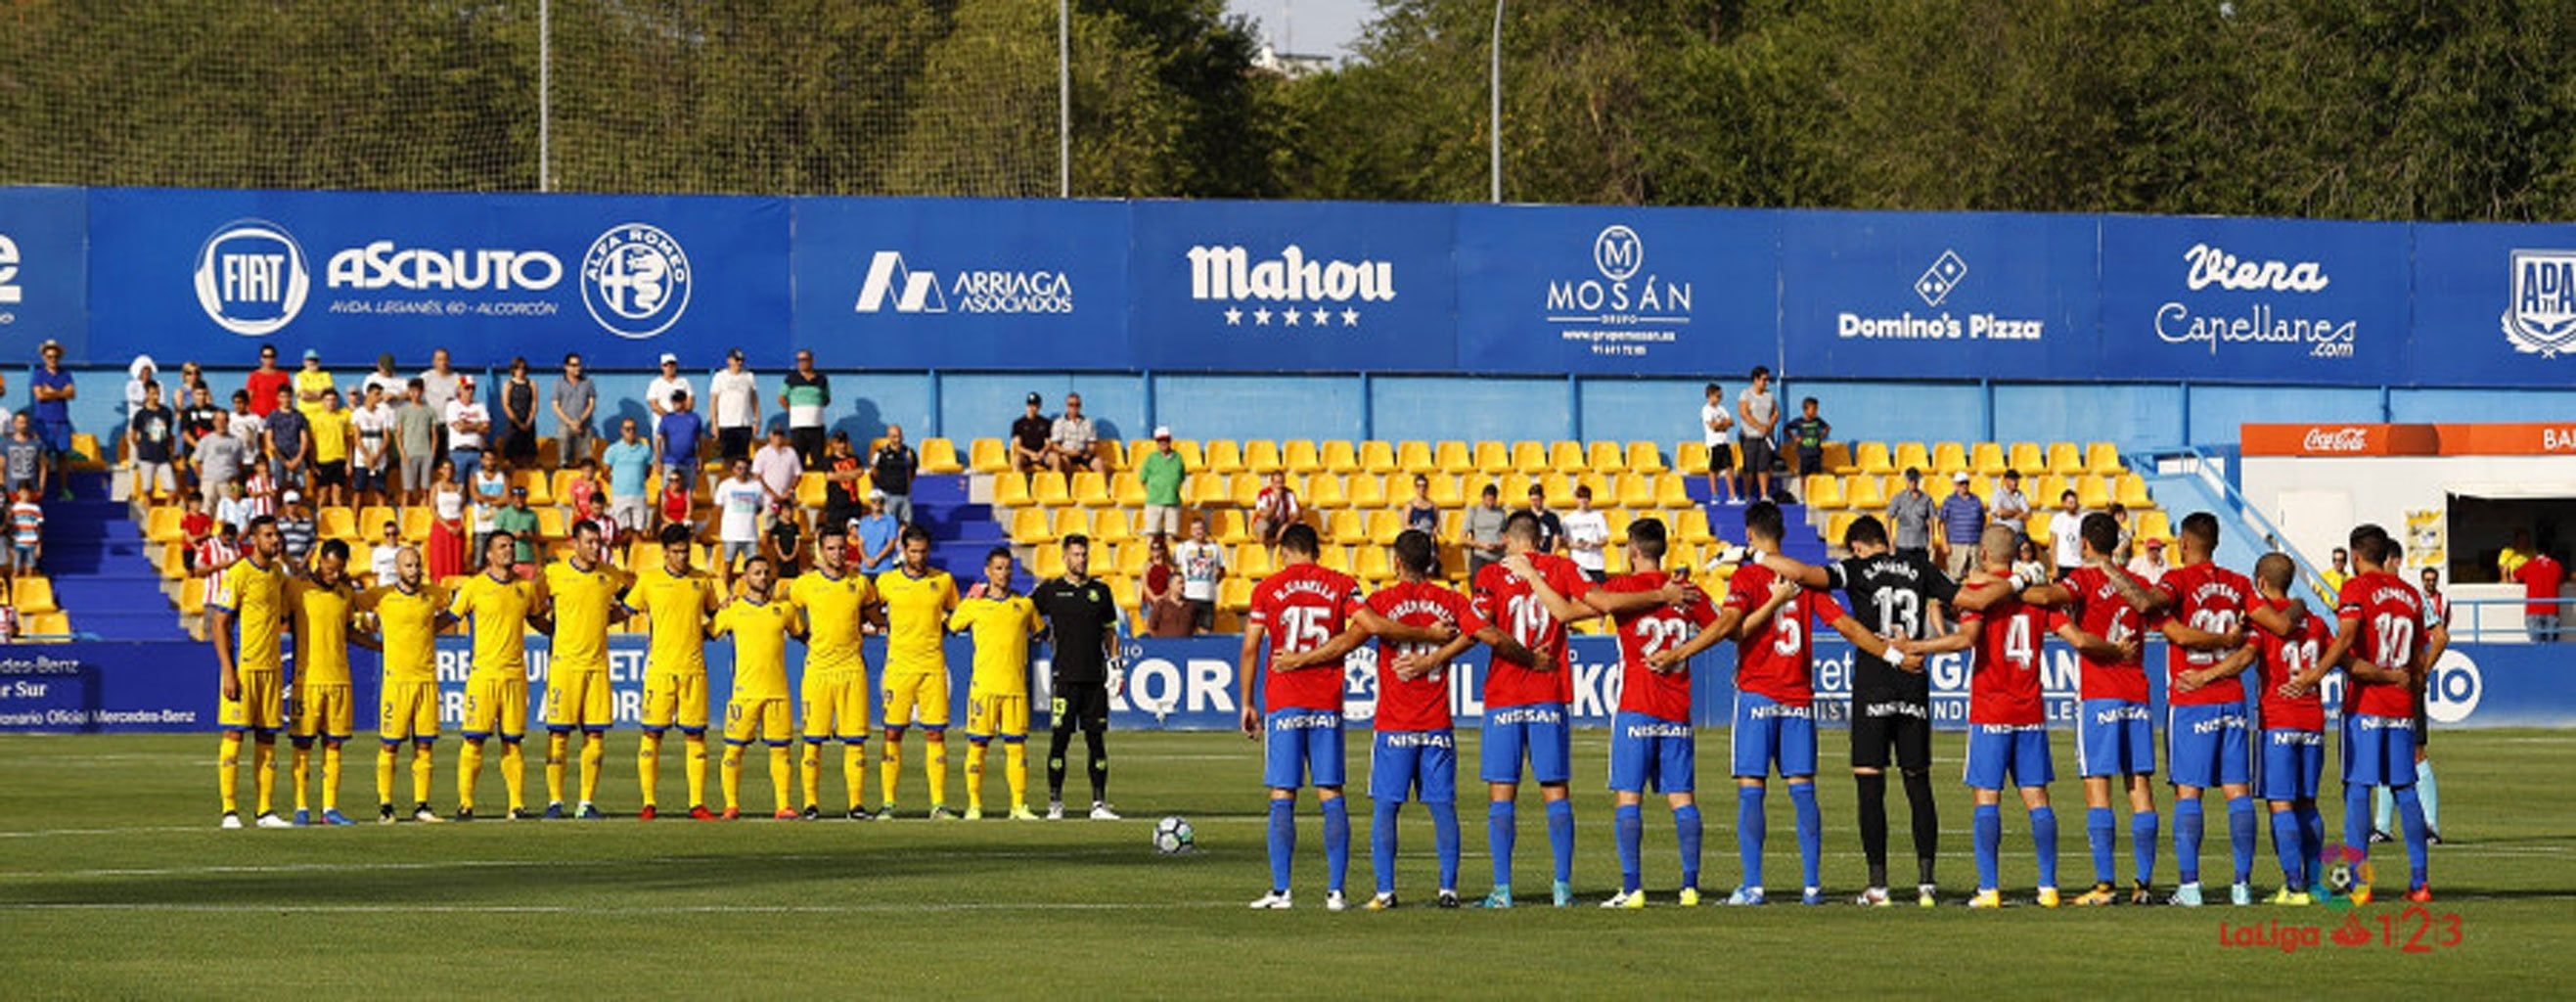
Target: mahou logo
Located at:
point(2346, 439)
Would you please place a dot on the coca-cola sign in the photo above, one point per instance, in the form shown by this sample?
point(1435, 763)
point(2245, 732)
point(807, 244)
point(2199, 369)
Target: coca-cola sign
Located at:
point(2347, 438)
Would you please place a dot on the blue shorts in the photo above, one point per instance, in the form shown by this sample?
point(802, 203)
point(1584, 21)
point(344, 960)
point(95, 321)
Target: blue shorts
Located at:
point(1768, 731)
point(1537, 727)
point(2206, 745)
point(2114, 737)
point(2293, 762)
point(2017, 750)
point(1302, 744)
point(57, 435)
point(1408, 762)
point(2378, 751)
point(1645, 751)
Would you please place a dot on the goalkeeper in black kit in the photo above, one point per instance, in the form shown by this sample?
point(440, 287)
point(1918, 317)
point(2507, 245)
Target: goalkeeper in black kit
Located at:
point(1082, 626)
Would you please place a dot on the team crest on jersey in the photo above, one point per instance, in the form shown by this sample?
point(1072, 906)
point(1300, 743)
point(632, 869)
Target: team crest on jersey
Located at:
point(2541, 317)
point(1359, 684)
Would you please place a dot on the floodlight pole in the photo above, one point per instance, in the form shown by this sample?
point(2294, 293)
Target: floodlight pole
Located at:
point(545, 95)
point(1063, 99)
point(1496, 138)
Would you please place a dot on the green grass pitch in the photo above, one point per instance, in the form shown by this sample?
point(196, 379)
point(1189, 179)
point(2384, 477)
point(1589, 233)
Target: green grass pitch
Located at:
point(114, 882)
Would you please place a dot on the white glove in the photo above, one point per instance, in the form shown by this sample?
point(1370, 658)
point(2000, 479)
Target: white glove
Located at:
point(2028, 577)
point(1117, 678)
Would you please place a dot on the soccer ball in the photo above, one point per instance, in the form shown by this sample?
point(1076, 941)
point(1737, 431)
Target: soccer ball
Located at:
point(1173, 835)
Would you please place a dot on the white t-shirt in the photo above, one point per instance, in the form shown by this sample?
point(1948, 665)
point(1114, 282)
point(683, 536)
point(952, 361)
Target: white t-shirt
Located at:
point(1586, 527)
point(1200, 565)
point(658, 396)
point(465, 410)
point(777, 467)
point(436, 390)
point(381, 558)
point(1718, 413)
point(736, 395)
point(395, 386)
point(740, 502)
point(1760, 405)
point(375, 427)
point(2065, 537)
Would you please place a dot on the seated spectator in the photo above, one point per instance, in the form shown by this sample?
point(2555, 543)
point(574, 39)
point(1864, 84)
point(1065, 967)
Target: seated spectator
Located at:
point(777, 466)
point(1071, 440)
point(878, 534)
point(1806, 435)
point(1202, 564)
point(891, 472)
point(1421, 513)
point(234, 510)
point(520, 521)
point(842, 472)
point(2029, 564)
point(261, 491)
point(784, 541)
point(380, 557)
point(26, 534)
point(676, 503)
point(581, 492)
point(1162, 474)
point(2150, 566)
point(194, 527)
point(1166, 613)
point(1274, 510)
point(1030, 436)
point(296, 531)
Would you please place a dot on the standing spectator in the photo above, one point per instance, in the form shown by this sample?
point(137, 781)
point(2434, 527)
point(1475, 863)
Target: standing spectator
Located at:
point(310, 383)
point(630, 467)
point(371, 469)
point(2342, 570)
point(295, 529)
point(220, 549)
point(735, 396)
point(1717, 426)
point(416, 440)
point(218, 460)
point(248, 425)
point(235, 510)
point(1481, 532)
point(447, 529)
point(490, 490)
point(467, 423)
point(520, 521)
point(657, 394)
point(1807, 435)
point(137, 373)
point(26, 534)
point(1202, 570)
point(384, 380)
point(24, 455)
point(260, 491)
point(1756, 412)
point(738, 502)
point(784, 541)
point(1166, 614)
point(842, 473)
point(1551, 530)
point(778, 468)
point(576, 401)
point(805, 393)
point(2437, 606)
point(2012, 507)
point(1162, 474)
point(2065, 540)
point(1963, 523)
point(891, 471)
point(1030, 439)
point(1911, 512)
point(1072, 438)
point(2149, 566)
point(195, 526)
point(151, 441)
point(676, 436)
point(581, 495)
point(263, 382)
point(1420, 512)
point(2120, 517)
point(200, 420)
point(879, 534)
point(51, 388)
point(330, 431)
point(190, 378)
point(442, 385)
point(518, 429)
point(290, 442)
point(1587, 536)
point(2541, 576)
point(1274, 509)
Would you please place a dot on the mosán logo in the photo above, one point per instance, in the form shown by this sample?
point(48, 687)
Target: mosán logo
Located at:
point(2541, 318)
point(892, 284)
point(1624, 308)
point(1293, 288)
point(1946, 275)
point(2207, 267)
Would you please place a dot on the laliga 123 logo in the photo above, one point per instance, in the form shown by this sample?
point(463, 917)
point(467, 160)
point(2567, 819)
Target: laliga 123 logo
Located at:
point(252, 277)
point(635, 280)
point(2341, 869)
point(2542, 317)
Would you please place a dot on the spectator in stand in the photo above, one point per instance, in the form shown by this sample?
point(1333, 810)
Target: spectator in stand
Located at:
point(260, 489)
point(263, 382)
point(678, 504)
point(1031, 436)
point(416, 440)
point(234, 510)
point(2149, 566)
point(1202, 564)
point(1420, 512)
point(581, 496)
point(1274, 509)
point(371, 465)
point(520, 521)
point(517, 432)
point(490, 489)
point(250, 426)
point(195, 525)
point(1807, 435)
point(151, 440)
point(1481, 532)
point(2120, 517)
point(388, 546)
point(1587, 536)
point(879, 536)
point(201, 420)
point(735, 396)
point(842, 473)
point(24, 455)
point(630, 467)
point(290, 442)
point(2511, 557)
point(295, 529)
point(2027, 562)
point(1162, 474)
point(1551, 529)
point(220, 549)
point(190, 378)
point(804, 394)
point(2065, 540)
point(1071, 440)
point(2011, 506)
point(444, 385)
point(384, 380)
point(310, 382)
point(657, 394)
point(1756, 414)
point(448, 531)
point(778, 468)
point(1159, 600)
point(891, 471)
point(784, 541)
point(676, 438)
point(137, 373)
point(2437, 606)
point(575, 402)
point(1963, 523)
point(1717, 426)
point(2342, 571)
point(330, 431)
point(26, 534)
point(50, 386)
point(467, 423)
point(218, 461)
point(738, 502)
point(2541, 577)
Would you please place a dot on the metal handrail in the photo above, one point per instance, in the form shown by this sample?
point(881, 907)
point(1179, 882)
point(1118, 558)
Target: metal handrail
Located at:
point(2476, 628)
point(2246, 512)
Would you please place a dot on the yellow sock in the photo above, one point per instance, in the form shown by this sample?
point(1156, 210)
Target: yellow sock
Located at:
point(594, 754)
point(385, 773)
point(974, 776)
point(263, 759)
point(809, 765)
point(469, 767)
point(648, 767)
point(331, 776)
point(733, 776)
point(935, 765)
point(422, 765)
point(228, 772)
point(302, 770)
point(778, 772)
point(854, 771)
point(1015, 766)
point(697, 770)
point(555, 748)
point(514, 774)
point(890, 767)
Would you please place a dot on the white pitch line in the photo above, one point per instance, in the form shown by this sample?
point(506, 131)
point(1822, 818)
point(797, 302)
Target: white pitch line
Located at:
point(995, 906)
point(475, 864)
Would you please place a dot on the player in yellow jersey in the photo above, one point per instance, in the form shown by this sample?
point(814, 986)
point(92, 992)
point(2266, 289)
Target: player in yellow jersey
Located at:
point(834, 599)
point(406, 614)
point(243, 622)
point(675, 603)
point(762, 709)
point(580, 602)
point(320, 608)
point(496, 691)
point(917, 598)
point(997, 696)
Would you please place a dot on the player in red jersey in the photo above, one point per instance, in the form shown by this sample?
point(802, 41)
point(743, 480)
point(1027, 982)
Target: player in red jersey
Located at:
point(2384, 643)
point(1525, 702)
point(2293, 726)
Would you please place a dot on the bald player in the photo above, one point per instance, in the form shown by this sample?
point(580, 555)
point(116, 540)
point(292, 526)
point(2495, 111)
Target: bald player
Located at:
point(405, 615)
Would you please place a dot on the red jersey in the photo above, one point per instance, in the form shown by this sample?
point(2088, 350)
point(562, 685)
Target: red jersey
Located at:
point(1662, 695)
point(1506, 601)
point(263, 386)
point(1417, 704)
point(2099, 610)
point(2285, 659)
point(2540, 577)
point(1298, 609)
point(2211, 599)
point(1778, 660)
point(2003, 672)
point(2392, 625)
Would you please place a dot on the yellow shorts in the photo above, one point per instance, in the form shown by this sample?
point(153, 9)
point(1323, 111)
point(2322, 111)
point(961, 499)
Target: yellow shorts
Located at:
point(917, 699)
point(578, 698)
point(836, 705)
point(410, 712)
point(323, 711)
point(495, 706)
point(993, 715)
point(679, 700)
point(749, 720)
point(262, 706)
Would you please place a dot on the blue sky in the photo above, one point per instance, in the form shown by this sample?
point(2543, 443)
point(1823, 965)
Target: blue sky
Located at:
point(1315, 27)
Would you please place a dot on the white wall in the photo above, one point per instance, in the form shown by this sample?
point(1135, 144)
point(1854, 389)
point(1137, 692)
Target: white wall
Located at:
point(2384, 489)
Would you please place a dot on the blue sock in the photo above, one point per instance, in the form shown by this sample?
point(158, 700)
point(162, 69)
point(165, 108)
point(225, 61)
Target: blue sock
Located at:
point(2387, 811)
point(2142, 844)
point(1631, 825)
point(1337, 841)
point(2240, 835)
point(2289, 843)
point(1283, 841)
point(1560, 837)
point(1811, 832)
point(2429, 794)
point(1501, 827)
point(2356, 820)
point(1444, 837)
point(1990, 843)
point(2099, 826)
point(2043, 840)
point(2188, 828)
point(1382, 844)
point(2410, 815)
point(1686, 827)
point(2312, 839)
point(1749, 832)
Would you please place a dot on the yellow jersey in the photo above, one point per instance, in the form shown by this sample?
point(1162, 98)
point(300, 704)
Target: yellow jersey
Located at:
point(675, 612)
point(832, 608)
point(315, 381)
point(582, 603)
point(915, 610)
point(499, 611)
point(321, 614)
point(408, 624)
point(330, 430)
point(1002, 628)
point(256, 598)
point(759, 631)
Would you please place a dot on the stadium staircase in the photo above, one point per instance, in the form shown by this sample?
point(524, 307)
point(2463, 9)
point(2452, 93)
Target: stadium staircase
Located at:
point(95, 561)
point(962, 530)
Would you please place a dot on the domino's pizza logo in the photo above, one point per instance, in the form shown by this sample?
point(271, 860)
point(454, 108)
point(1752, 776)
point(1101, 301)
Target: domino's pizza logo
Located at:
point(635, 280)
point(1940, 278)
point(252, 278)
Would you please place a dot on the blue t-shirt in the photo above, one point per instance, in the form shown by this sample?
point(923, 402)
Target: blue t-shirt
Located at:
point(680, 434)
point(49, 411)
point(875, 531)
point(629, 464)
point(1963, 518)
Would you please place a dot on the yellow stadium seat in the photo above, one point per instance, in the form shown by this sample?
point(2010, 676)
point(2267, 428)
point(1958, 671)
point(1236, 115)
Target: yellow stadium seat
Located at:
point(1252, 560)
point(1136, 451)
point(336, 522)
point(1091, 490)
point(1047, 561)
point(1636, 490)
point(2065, 459)
point(1982, 487)
point(35, 596)
point(1384, 525)
point(192, 600)
point(415, 523)
point(1515, 487)
point(1324, 491)
point(939, 456)
point(1127, 489)
point(372, 519)
point(1447, 492)
point(1132, 559)
point(1863, 493)
point(1606, 457)
point(1643, 457)
point(1838, 458)
point(1109, 525)
point(1987, 458)
point(1229, 527)
point(1346, 527)
point(1949, 458)
point(1693, 528)
point(2102, 457)
point(1912, 456)
point(2092, 493)
point(1618, 523)
point(2154, 524)
point(1261, 455)
point(1603, 489)
point(2026, 458)
point(1224, 456)
point(1379, 457)
point(1452, 457)
point(161, 524)
point(811, 489)
point(1566, 457)
point(49, 624)
point(1838, 528)
point(1825, 491)
point(1415, 457)
point(1204, 488)
point(1048, 487)
point(1236, 592)
point(173, 563)
point(1011, 490)
point(2130, 490)
point(1874, 458)
point(1615, 561)
point(1340, 456)
point(2049, 488)
point(1189, 452)
point(1492, 457)
point(1374, 563)
point(1672, 490)
point(550, 524)
point(1691, 457)
point(1244, 490)
point(2037, 526)
point(85, 447)
point(1068, 521)
point(1301, 456)
point(1366, 490)
point(1029, 526)
point(1527, 457)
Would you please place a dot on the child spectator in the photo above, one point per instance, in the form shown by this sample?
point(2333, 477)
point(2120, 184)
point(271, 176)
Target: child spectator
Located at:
point(26, 533)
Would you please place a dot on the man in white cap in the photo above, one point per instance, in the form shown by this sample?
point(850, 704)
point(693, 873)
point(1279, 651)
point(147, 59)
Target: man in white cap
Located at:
point(1963, 524)
point(1163, 472)
point(657, 395)
point(295, 530)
